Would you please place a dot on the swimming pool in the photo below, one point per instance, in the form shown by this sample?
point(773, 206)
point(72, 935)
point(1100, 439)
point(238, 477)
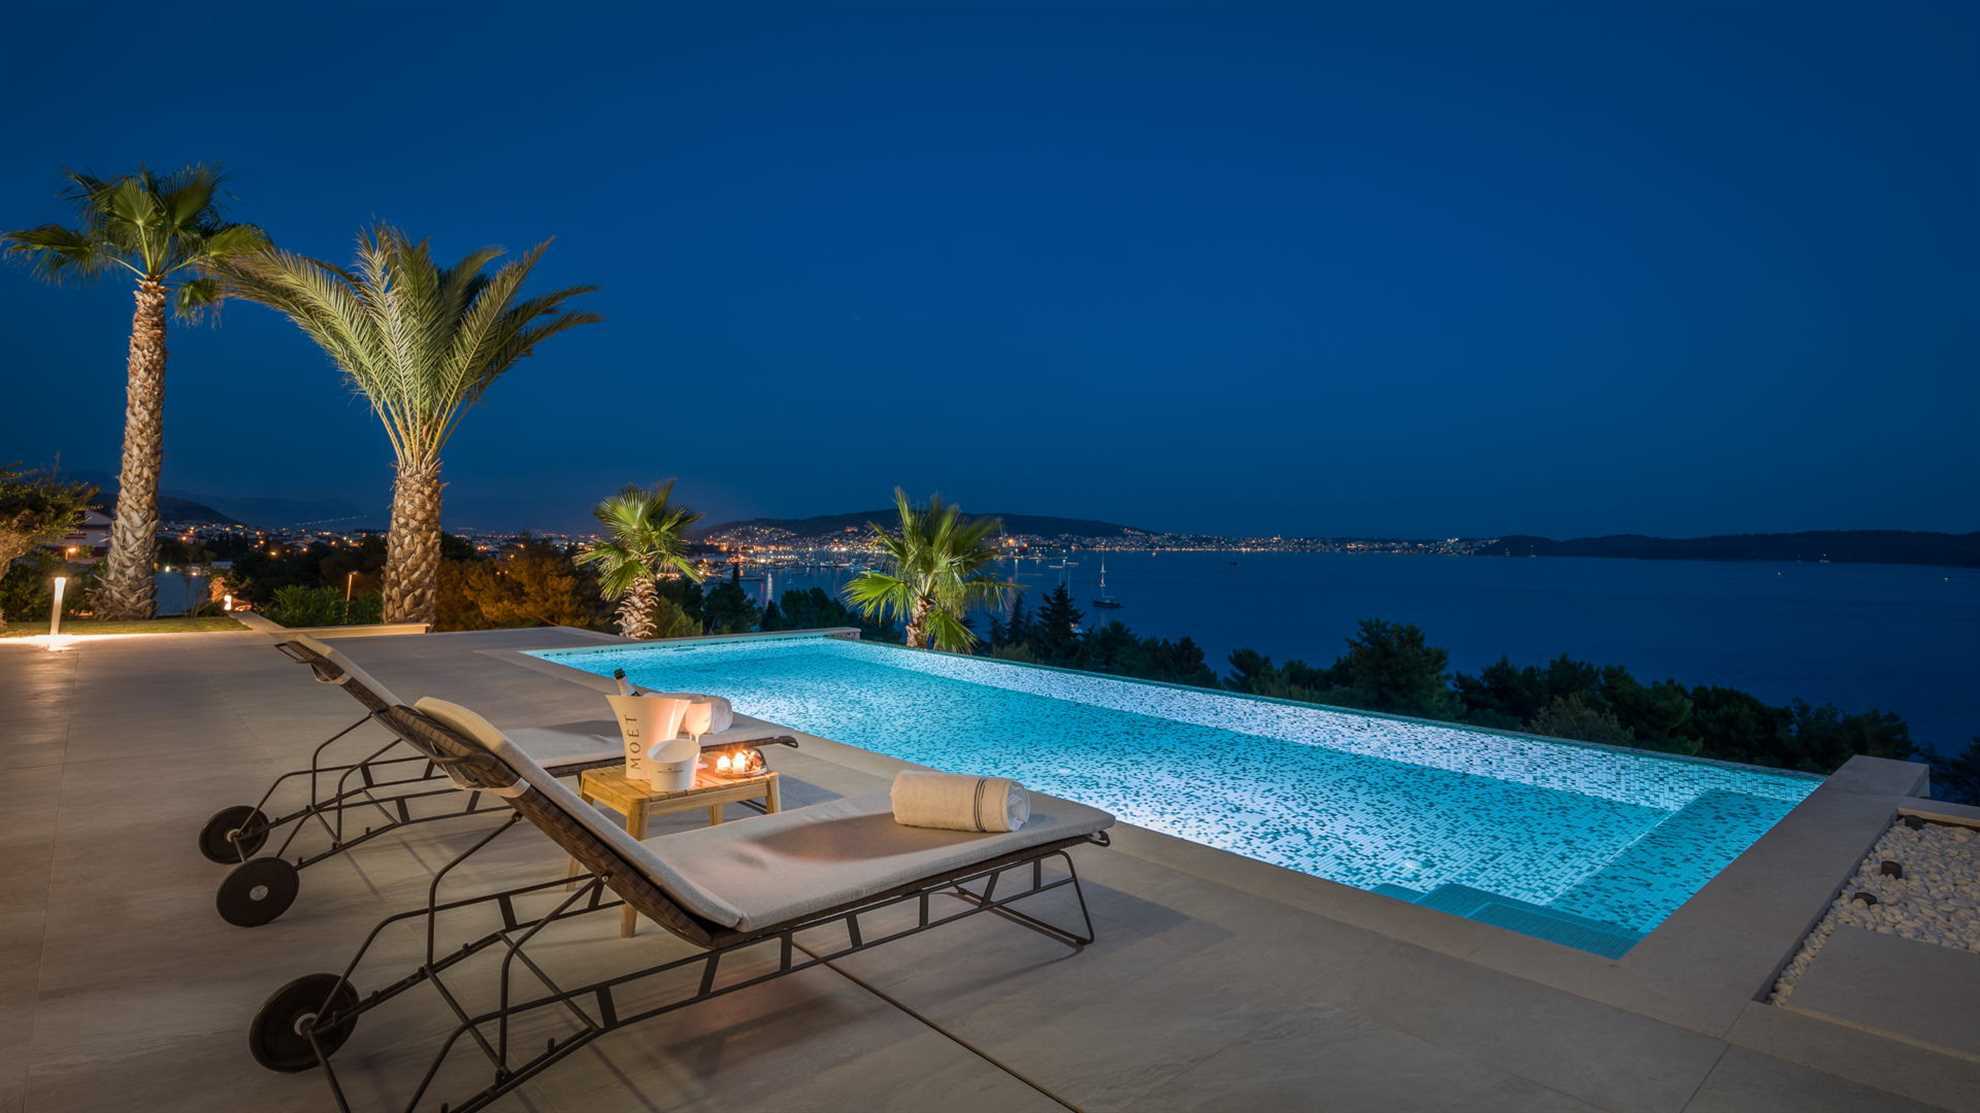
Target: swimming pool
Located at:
point(1588, 846)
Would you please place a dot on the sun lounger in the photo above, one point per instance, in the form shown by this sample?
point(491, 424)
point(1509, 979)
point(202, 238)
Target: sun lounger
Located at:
point(828, 870)
point(387, 787)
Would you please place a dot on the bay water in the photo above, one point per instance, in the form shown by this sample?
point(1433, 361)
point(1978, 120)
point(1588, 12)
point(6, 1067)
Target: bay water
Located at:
point(1895, 637)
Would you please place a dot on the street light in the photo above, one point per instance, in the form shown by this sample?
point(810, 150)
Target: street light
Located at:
point(348, 582)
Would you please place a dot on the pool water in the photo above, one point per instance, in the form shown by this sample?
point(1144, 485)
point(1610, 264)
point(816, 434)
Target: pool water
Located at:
point(1587, 846)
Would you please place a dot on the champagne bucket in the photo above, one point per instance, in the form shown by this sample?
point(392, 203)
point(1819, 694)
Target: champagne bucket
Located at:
point(644, 722)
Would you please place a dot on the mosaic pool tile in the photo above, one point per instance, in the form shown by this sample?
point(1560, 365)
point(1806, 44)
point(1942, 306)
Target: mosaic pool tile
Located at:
point(1683, 852)
point(1607, 838)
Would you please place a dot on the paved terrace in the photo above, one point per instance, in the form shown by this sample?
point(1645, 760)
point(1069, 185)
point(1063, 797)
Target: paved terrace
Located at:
point(1216, 982)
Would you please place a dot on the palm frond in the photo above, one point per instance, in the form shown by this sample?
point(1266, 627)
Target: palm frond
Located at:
point(202, 247)
point(878, 594)
point(645, 539)
point(946, 631)
point(934, 560)
point(421, 343)
point(56, 252)
point(151, 225)
point(197, 298)
point(188, 198)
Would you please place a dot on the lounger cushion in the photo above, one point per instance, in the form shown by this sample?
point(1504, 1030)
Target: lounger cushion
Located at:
point(608, 829)
point(764, 870)
point(580, 743)
point(774, 868)
point(352, 674)
point(597, 740)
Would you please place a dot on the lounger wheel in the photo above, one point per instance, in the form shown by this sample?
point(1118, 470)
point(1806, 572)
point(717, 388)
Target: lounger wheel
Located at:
point(258, 891)
point(233, 834)
point(278, 1038)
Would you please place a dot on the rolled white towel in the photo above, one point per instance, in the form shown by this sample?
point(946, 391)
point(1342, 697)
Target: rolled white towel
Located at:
point(955, 802)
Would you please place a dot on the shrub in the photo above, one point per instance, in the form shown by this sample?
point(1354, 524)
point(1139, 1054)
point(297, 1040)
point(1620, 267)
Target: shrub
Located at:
point(296, 605)
point(367, 609)
point(534, 585)
point(321, 606)
point(32, 510)
point(1574, 717)
point(28, 588)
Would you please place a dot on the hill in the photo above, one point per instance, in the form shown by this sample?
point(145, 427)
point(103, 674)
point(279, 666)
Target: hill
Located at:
point(171, 508)
point(273, 512)
point(822, 525)
point(261, 512)
point(1840, 546)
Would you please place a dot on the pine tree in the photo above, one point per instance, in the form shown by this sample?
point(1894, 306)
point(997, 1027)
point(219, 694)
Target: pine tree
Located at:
point(1020, 628)
point(1056, 640)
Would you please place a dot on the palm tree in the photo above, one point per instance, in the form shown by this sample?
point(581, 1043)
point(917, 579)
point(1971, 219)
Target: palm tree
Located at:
point(422, 343)
point(935, 573)
point(644, 542)
point(163, 230)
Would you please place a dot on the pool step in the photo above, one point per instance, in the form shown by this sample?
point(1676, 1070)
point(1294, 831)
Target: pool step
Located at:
point(1400, 892)
point(1552, 924)
point(1677, 856)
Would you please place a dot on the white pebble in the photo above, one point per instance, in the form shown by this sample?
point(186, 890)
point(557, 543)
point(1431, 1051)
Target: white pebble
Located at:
point(1937, 900)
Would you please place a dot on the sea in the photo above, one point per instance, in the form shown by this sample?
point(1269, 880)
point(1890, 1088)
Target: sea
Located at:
point(1897, 638)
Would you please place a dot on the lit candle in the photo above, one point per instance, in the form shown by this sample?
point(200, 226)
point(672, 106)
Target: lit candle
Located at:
point(722, 763)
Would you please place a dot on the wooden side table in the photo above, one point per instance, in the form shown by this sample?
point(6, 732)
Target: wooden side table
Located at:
point(636, 801)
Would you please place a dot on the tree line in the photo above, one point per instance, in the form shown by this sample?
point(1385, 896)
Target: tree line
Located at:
point(1391, 668)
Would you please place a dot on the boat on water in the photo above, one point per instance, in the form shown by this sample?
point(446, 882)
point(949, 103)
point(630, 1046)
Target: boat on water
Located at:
point(1104, 600)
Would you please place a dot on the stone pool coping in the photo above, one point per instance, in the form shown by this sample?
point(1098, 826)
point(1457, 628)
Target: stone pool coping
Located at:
point(1706, 969)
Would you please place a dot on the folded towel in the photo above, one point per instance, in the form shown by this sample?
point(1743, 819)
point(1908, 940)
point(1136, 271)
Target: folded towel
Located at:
point(957, 803)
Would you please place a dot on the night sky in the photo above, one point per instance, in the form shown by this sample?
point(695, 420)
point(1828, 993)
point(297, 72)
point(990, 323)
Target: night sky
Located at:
point(1419, 271)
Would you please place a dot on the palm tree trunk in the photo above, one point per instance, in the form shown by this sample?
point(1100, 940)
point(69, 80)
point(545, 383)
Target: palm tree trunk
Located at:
point(636, 610)
point(412, 548)
point(917, 627)
point(126, 590)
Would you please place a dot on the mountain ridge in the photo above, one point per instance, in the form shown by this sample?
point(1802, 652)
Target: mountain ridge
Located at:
point(1837, 546)
point(258, 511)
point(1043, 525)
point(171, 507)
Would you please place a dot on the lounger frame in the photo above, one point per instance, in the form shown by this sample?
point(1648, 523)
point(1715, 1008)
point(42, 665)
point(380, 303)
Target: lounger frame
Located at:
point(375, 772)
point(595, 1004)
point(367, 785)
